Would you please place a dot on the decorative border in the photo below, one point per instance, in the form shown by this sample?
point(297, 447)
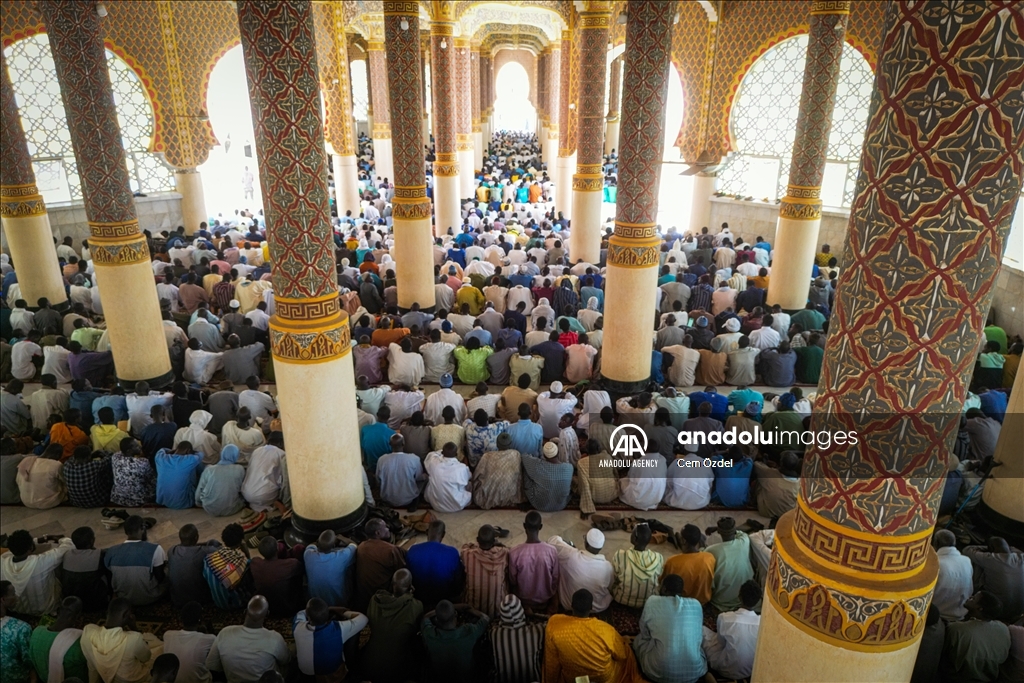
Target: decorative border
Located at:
point(590, 170)
point(852, 622)
point(803, 192)
point(581, 183)
point(113, 231)
point(446, 169)
point(307, 344)
point(624, 253)
point(636, 231)
point(794, 209)
point(411, 211)
point(108, 254)
point(860, 554)
point(830, 7)
point(307, 309)
point(21, 201)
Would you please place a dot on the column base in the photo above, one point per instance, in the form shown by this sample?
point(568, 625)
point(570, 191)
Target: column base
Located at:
point(155, 383)
point(308, 530)
point(383, 163)
point(1001, 525)
point(30, 242)
point(447, 207)
point(467, 163)
point(346, 184)
point(615, 387)
point(414, 273)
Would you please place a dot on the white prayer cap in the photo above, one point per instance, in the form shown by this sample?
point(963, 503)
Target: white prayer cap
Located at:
point(556, 387)
point(550, 450)
point(732, 324)
point(234, 304)
point(595, 539)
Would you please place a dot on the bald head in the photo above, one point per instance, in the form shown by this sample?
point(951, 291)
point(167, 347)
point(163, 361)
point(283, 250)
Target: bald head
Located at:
point(401, 582)
point(256, 611)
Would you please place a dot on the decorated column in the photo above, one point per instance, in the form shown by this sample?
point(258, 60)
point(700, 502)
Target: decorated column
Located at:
point(852, 572)
point(119, 251)
point(339, 127)
point(550, 142)
point(633, 251)
point(796, 238)
point(611, 133)
point(376, 61)
point(542, 111)
point(464, 120)
point(447, 213)
point(588, 181)
point(185, 152)
point(487, 79)
point(410, 206)
point(424, 59)
point(309, 333)
point(565, 164)
point(700, 206)
point(25, 221)
point(475, 97)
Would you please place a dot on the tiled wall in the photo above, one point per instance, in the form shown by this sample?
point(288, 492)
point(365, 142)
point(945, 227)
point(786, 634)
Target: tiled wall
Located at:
point(1008, 301)
point(156, 212)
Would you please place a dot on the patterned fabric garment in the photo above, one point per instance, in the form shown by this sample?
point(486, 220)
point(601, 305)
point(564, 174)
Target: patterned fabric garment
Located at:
point(486, 577)
point(134, 481)
point(88, 483)
point(517, 652)
point(497, 480)
point(637, 573)
point(14, 650)
point(445, 433)
point(480, 440)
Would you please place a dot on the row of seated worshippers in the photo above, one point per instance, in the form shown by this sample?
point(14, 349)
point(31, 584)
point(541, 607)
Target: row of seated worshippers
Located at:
point(537, 610)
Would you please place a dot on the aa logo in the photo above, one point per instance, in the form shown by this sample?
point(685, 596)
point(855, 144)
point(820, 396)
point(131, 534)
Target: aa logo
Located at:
point(628, 441)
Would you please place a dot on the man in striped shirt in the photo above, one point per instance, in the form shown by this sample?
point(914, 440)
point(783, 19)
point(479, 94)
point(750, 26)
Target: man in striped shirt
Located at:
point(486, 563)
point(516, 644)
point(637, 570)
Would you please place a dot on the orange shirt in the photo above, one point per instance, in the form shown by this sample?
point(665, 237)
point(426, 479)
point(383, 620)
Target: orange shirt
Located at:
point(68, 436)
point(385, 337)
point(697, 571)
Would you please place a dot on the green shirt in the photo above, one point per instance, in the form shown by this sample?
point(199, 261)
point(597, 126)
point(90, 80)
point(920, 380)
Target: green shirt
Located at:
point(472, 366)
point(808, 363)
point(732, 570)
point(88, 337)
point(808, 319)
point(451, 652)
point(42, 639)
point(997, 334)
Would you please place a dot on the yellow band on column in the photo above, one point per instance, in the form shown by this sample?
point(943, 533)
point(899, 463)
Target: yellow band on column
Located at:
point(21, 201)
point(310, 341)
point(632, 253)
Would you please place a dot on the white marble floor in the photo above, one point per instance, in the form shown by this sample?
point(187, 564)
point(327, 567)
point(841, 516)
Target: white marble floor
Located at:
point(462, 526)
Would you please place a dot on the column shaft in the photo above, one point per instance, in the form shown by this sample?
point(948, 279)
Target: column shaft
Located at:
point(309, 333)
point(611, 134)
point(852, 571)
point(119, 250)
point(382, 154)
point(796, 238)
point(464, 126)
point(411, 208)
point(447, 213)
point(550, 143)
point(339, 126)
point(700, 208)
point(25, 221)
point(633, 251)
point(475, 97)
point(566, 162)
point(588, 181)
point(189, 184)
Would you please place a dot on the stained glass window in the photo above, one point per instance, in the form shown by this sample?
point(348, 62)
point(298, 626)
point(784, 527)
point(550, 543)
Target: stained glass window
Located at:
point(37, 91)
point(360, 89)
point(763, 125)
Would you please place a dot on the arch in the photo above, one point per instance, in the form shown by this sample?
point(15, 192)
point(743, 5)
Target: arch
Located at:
point(227, 103)
point(41, 106)
point(762, 121)
point(512, 108)
point(211, 64)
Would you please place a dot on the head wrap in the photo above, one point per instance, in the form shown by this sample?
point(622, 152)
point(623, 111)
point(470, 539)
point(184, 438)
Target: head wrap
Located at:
point(732, 324)
point(511, 612)
point(229, 454)
point(787, 401)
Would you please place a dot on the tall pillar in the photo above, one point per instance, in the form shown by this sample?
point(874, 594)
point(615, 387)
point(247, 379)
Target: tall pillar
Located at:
point(633, 251)
point(424, 58)
point(796, 238)
point(588, 181)
point(611, 133)
point(550, 143)
point(411, 208)
point(565, 164)
point(189, 184)
point(447, 213)
point(487, 79)
point(339, 128)
point(700, 205)
point(475, 97)
point(1002, 495)
point(377, 63)
point(25, 221)
point(542, 107)
point(119, 251)
point(464, 120)
point(852, 572)
point(309, 332)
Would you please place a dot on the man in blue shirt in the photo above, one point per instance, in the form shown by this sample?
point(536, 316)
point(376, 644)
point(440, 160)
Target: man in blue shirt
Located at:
point(177, 474)
point(732, 484)
point(320, 634)
point(527, 435)
point(375, 439)
point(437, 570)
point(330, 568)
point(719, 403)
point(401, 475)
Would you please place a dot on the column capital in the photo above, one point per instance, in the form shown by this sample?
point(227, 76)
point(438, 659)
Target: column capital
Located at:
point(442, 28)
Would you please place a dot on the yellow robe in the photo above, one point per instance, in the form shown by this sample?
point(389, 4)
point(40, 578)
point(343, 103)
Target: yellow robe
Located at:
point(586, 647)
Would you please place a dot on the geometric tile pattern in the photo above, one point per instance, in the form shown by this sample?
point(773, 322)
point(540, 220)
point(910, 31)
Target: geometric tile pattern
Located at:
point(593, 49)
point(476, 94)
point(463, 94)
point(641, 135)
point(16, 168)
point(939, 180)
point(406, 99)
point(566, 146)
point(378, 66)
point(615, 87)
point(554, 87)
point(443, 86)
point(332, 58)
point(76, 42)
point(284, 92)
